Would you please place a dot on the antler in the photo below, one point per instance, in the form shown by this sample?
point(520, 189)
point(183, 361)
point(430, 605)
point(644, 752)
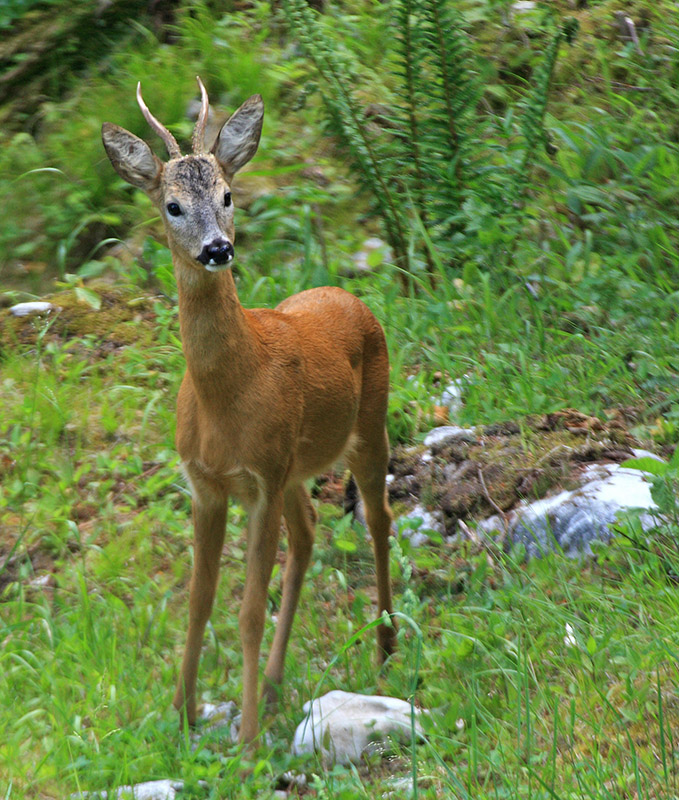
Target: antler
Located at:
point(161, 130)
point(198, 139)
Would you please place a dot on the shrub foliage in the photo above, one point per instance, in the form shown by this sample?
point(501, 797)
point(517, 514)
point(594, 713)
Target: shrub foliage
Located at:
point(432, 160)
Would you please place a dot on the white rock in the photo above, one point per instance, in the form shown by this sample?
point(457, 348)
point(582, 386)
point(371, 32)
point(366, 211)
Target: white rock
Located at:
point(430, 521)
point(449, 433)
point(400, 787)
point(639, 453)
point(451, 396)
point(297, 780)
point(573, 520)
point(524, 5)
point(374, 243)
point(41, 581)
point(35, 307)
point(361, 259)
point(218, 715)
point(221, 718)
point(569, 639)
point(496, 522)
point(341, 725)
point(151, 790)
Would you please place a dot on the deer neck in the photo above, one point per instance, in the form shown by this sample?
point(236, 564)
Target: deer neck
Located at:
point(220, 345)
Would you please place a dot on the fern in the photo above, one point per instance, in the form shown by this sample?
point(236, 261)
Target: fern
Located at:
point(455, 91)
point(438, 95)
point(535, 106)
point(531, 124)
point(346, 117)
point(432, 164)
point(409, 139)
point(410, 70)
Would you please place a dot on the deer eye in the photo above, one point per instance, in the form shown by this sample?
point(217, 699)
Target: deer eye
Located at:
point(227, 199)
point(173, 209)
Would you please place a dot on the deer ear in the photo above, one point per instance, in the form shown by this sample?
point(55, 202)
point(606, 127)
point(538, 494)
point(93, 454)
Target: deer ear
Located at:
point(238, 139)
point(131, 157)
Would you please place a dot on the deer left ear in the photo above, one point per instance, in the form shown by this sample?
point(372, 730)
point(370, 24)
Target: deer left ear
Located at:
point(239, 138)
point(131, 157)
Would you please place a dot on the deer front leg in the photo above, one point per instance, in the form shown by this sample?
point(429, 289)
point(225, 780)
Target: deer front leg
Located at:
point(263, 533)
point(209, 524)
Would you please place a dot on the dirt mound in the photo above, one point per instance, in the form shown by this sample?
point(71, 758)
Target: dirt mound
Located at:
point(123, 317)
point(507, 463)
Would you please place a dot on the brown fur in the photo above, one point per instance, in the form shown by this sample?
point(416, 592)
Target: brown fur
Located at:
point(269, 399)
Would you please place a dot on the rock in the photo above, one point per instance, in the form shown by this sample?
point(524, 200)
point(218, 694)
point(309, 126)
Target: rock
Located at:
point(521, 6)
point(341, 726)
point(415, 531)
point(428, 521)
point(446, 434)
point(639, 453)
point(315, 173)
point(220, 717)
point(151, 790)
point(34, 307)
point(572, 520)
point(373, 253)
point(451, 396)
point(45, 581)
point(293, 780)
point(400, 787)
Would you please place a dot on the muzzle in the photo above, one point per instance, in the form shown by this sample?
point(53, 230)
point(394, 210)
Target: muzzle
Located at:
point(216, 254)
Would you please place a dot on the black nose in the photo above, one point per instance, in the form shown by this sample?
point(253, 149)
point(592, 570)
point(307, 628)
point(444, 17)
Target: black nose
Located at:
point(217, 252)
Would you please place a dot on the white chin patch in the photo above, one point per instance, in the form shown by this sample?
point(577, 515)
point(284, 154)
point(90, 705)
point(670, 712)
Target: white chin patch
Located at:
point(212, 267)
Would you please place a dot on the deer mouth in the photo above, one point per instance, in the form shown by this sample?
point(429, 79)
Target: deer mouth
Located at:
point(212, 266)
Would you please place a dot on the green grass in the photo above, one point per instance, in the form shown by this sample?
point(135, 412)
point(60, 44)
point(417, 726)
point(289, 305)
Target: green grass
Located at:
point(552, 680)
point(91, 494)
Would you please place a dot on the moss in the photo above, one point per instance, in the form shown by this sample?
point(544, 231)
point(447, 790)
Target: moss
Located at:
point(123, 318)
point(510, 462)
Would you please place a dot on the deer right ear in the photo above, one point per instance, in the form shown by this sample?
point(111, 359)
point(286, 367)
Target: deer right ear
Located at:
point(131, 157)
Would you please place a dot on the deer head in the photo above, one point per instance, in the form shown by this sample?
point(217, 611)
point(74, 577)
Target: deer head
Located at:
point(192, 193)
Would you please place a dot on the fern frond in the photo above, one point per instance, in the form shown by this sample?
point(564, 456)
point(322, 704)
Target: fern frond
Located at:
point(347, 120)
point(409, 68)
point(454, 94)
point(449, 57)
point(535, 105)
point(436, 159)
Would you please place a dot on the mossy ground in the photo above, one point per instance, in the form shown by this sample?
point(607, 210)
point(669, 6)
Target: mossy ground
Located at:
point(508, 463)
point(123, 316)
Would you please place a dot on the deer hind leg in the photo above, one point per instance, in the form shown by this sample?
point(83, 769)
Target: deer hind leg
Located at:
point(368, 462)
point(263, 533)
point(300, 518)
point(209, 524)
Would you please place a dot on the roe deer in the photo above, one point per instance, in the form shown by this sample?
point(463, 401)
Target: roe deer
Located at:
point(270, 397)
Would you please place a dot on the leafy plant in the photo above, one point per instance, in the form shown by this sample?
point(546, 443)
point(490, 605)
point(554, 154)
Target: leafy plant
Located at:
point(664, 483)
point(430, 160)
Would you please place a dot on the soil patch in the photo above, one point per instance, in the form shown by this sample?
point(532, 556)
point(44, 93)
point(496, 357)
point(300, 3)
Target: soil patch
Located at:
point(124, 317)
point(507, 463)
